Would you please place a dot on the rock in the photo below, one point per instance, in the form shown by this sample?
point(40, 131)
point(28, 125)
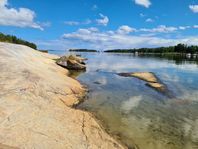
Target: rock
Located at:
point(149, 77)
point(72, 62)
point(3, 146)
point(146, 76)
point(36, 99)
point(157, 86)
point(77, 58)
point(74, 65)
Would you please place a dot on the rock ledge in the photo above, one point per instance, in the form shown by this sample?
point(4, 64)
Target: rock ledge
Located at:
point(34, 98)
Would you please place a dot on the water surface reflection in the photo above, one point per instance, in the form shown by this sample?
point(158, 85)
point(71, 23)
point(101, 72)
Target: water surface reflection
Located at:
point(137, 114)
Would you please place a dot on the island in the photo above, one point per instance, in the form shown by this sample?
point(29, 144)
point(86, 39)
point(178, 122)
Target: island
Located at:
point(82, 50)
point(179, 49)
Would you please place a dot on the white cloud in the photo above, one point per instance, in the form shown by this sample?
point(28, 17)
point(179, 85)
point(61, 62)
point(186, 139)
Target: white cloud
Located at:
point(124, 29)
point(103, 21)
point(145, 3)
point(194, 8)
point(21, 17)
point(160, 29)
point(184, 27)
point(94, 38)
point(149, 20)
point(3, 3)
point(195, 26)
point(75, 23)
point(142, 15)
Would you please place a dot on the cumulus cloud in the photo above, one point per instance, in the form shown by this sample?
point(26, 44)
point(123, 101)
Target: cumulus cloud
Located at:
point(144, 3)
point(194, 8)
point(104, 20)
point(149, 20)
point(195, 26)
point(160, 29)
point(3, 3)
point(184, 27)
point(21, 17)
point(122, 37)
point(124, 29)
point(94, 38)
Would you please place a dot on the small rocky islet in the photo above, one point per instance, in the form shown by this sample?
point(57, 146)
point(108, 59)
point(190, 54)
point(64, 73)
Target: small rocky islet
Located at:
point(72, 62)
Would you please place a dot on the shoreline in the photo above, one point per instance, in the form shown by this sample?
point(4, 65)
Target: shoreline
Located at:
point(37, 112)
point(105, 129)
point(83, 98)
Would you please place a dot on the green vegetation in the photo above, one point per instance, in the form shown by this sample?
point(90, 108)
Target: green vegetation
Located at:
point(178, 49)
point(14, 39)
point(82, 50)
point(44, 51)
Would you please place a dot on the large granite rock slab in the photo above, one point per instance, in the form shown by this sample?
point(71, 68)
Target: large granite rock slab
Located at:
point(36, 97)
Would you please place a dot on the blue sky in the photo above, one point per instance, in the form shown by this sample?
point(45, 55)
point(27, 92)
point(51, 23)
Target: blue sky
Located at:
point(101, 24)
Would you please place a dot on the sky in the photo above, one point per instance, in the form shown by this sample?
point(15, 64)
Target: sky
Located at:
point(101, 24)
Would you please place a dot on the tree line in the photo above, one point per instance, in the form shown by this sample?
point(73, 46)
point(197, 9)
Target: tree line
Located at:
point(82, 50)
point(14, 39)
point(180, 48)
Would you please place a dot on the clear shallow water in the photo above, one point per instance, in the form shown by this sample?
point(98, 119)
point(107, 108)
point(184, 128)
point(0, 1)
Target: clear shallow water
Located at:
point(137, 114)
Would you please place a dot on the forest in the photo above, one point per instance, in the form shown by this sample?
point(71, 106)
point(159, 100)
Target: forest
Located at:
point(179, 48)
point(14, 39)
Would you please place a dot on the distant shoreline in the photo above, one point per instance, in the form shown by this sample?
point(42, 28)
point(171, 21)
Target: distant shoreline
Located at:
point(82, 50)
point(178, 49)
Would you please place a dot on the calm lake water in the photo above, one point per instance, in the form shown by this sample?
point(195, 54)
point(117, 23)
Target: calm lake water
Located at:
point(136, 114)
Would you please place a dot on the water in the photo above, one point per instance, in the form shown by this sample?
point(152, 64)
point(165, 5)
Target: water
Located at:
point(136, 114)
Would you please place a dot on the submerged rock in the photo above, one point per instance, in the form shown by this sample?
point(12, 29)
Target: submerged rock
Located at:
point(149, 77)
point(72, 62)
point(157, 86)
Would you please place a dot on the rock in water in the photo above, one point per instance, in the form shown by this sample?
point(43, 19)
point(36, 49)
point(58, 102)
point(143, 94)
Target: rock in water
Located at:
point(77, 58)
point(72, 62)
point(74, 65)
point(157, 86)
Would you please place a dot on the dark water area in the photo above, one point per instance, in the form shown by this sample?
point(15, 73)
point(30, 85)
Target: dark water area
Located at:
point(137, 114)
